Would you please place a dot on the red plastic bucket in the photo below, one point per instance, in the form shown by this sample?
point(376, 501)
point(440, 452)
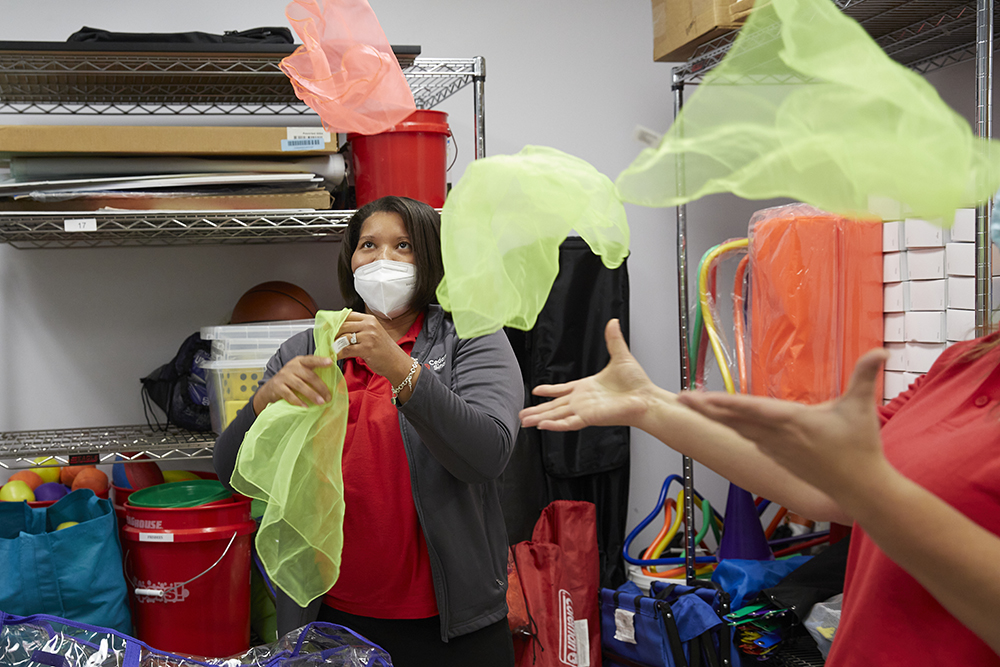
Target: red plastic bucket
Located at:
point(189, 576)
point(407, 160)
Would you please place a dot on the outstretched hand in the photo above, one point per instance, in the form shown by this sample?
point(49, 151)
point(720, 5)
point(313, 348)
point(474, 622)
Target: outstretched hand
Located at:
point(614, 396)
point(831, 446)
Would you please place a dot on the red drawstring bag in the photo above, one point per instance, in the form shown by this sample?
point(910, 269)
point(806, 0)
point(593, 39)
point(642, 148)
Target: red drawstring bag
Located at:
point(558, 575)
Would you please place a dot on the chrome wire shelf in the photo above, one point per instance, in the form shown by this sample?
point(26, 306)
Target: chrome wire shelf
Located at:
point(151, 228)
point(84, 83)
point(923, 35)
point(84, 446)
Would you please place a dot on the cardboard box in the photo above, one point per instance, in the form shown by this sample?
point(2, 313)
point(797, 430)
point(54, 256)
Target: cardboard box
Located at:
point(962, 292)
point(921, 356)
point(897, 357)
point(962, 259)
point(964, 229)
point(680, 26)
point(918, 233)
point(961, 324)
point(925, 264)
point(926, 294)
point(926, 326)
point(895, 298)
point(894, 328)
point(893, 267)
point(163, 140)
point(897, 382)
point(892, 236)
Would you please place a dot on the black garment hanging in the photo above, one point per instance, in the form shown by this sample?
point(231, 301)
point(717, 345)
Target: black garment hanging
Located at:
point(566, 343)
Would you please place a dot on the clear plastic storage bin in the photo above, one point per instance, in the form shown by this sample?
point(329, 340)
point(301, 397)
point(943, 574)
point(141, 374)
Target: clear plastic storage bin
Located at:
point(276, 330)
point(232, 349)
point(231, 383)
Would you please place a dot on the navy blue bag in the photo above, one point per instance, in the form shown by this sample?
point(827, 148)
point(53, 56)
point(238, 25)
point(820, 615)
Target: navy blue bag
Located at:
point(74, 573)
point(678, 627)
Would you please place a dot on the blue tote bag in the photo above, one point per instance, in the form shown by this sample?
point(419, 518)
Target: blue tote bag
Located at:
point(73, 573)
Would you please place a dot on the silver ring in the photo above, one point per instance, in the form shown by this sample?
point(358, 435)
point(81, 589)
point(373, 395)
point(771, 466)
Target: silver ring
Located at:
point(354, 339)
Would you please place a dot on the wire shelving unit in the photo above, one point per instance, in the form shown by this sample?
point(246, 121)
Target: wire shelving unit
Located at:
point(93, 80)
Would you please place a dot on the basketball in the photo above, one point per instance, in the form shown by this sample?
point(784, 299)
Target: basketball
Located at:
point(274, 301)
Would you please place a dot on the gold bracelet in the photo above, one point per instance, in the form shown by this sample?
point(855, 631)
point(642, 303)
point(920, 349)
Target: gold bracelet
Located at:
point(407, 381)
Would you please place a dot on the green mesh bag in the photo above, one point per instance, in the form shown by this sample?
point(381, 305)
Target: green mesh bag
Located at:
point(806, 105)
point(501, 227)
point(291, 459)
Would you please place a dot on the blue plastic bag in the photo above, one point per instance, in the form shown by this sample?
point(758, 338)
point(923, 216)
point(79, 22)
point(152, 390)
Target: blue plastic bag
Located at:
point(744, 579)
point(74, 573)
point(32, 641)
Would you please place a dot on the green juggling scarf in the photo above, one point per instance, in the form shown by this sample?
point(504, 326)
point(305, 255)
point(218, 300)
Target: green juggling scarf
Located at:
point(806, 105)
point(291, 459)
point(501, 227)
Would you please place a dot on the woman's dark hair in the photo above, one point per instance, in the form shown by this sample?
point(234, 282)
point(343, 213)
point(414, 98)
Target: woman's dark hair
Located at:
point(423, 225)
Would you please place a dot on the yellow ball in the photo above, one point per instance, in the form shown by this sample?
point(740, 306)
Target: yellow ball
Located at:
point(48, 472)
point(178, 475)
point(66, 524)
point(16, 491)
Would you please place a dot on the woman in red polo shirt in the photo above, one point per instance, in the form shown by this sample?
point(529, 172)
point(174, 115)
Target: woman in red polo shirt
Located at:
point(432, 420)
point(919, 478)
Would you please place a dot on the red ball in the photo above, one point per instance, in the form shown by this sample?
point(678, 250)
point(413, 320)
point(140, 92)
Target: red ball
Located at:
point(274, 301)
point(136, 473)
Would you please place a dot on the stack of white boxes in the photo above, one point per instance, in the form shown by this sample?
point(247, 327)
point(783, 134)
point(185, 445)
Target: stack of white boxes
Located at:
point(930, 293)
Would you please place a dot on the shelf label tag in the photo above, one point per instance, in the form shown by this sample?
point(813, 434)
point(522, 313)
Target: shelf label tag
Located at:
point(156, 537)
point(80, 224)
point(83, 459)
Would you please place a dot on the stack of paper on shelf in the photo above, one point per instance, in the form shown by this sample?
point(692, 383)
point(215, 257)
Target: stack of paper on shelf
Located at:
point(90, 168)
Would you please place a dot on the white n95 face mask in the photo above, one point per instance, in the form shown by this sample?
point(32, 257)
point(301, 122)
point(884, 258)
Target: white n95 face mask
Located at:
point(386, 286)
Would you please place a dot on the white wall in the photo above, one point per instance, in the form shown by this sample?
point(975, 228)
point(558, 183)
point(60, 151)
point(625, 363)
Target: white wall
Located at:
point(78, 328)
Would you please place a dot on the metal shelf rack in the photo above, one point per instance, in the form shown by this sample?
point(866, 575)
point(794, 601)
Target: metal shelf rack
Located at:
point(61, 82)
point(153, 228)
point(83, 80)
point(84, 446)
point(95, 82)
point(923, 35)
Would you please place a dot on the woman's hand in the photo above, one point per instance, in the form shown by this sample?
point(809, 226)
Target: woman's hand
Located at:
point(377, 348)
point(832, 446)
point(296, 382)
point(615, 396)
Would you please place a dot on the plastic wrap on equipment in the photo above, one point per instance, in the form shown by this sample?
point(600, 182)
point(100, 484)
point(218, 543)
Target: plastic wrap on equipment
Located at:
point(823, 620)
point(815, 300)
point(30, 641)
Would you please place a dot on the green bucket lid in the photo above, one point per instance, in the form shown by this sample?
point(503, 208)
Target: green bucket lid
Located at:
point(186, 493)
